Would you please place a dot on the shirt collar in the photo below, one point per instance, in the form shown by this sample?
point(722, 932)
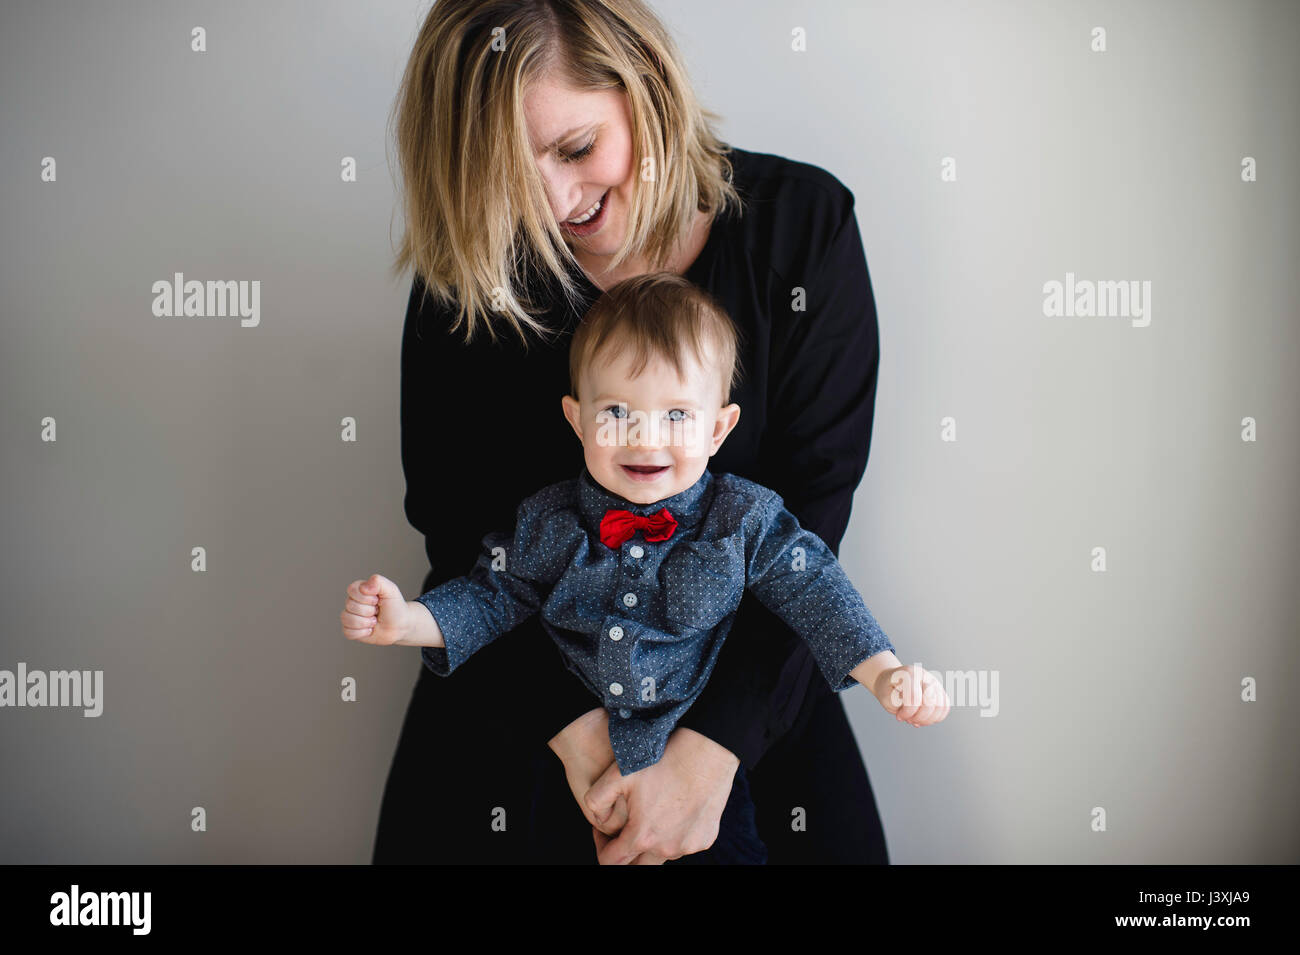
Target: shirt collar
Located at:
point(686, 506)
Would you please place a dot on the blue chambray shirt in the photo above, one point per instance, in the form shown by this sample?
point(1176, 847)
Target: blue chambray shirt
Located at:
point(642, 625)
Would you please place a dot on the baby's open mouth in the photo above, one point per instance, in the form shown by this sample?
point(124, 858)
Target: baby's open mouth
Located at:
point(645, 470)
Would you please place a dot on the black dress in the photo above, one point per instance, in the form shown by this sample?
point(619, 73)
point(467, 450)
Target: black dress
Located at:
point(482, 429)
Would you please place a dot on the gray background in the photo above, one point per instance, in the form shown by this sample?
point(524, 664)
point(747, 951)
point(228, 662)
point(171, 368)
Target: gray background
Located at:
point(1119, 690)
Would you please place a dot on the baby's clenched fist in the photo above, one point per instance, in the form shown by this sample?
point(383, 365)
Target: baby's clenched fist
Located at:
point(375, 612)
point(913, 694)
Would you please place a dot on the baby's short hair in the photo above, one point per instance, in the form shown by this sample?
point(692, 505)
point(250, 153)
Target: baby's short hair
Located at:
point(658, 313)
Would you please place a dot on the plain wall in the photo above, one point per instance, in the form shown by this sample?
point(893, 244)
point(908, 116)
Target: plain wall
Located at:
point(1119, 689)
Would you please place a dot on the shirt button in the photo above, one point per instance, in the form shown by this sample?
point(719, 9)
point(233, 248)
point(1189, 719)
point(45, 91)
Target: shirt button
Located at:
point(636, 551)
point(616, 689)
point(616, 632)
point(625, 713)
point(629, 599)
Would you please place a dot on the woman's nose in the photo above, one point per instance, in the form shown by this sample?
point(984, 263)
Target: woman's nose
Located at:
point(563, 191)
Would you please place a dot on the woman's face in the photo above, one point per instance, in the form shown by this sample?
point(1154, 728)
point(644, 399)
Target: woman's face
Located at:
point(582, 142)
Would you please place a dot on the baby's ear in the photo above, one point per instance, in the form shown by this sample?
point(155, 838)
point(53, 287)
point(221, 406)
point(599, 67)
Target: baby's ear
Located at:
point(573, 412)
point(728, 418)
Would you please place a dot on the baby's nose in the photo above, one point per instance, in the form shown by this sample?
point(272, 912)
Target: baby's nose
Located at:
point(648, 435)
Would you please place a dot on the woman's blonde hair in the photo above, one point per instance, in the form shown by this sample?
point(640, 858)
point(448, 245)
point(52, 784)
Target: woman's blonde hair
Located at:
point(478, 221)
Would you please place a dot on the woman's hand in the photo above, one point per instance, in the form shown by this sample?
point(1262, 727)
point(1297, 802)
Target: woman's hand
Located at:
point(672, 808)
point(583, 746)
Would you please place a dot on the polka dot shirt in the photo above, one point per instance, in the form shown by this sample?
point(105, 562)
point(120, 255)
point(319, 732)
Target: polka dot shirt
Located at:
point(642, 624)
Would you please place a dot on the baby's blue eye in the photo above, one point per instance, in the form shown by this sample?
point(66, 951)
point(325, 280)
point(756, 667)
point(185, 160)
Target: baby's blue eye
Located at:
point(677, 411)
point(616, 408)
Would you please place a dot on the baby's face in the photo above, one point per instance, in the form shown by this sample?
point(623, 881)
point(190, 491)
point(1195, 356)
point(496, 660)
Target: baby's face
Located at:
point(650, 437)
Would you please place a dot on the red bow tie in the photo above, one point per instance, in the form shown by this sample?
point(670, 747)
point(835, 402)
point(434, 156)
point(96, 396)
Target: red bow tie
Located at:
point(618, 525)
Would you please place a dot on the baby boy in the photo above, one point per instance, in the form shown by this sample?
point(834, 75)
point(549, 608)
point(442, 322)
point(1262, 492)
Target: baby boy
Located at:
point(637, 565)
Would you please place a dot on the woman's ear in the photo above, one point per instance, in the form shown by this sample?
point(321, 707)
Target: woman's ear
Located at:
point(573, 411)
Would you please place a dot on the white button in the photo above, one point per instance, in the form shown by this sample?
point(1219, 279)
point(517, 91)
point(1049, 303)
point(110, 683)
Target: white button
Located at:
point(625, 713)
point(629, 599)
point(636, 551)
point(616, 689)
point(616, 632)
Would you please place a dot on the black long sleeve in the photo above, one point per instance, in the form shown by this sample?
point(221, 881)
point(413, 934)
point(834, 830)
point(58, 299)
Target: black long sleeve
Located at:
point(476, 440)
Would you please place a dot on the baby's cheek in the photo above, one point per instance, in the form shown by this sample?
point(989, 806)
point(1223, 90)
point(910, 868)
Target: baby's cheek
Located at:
point(695, 444)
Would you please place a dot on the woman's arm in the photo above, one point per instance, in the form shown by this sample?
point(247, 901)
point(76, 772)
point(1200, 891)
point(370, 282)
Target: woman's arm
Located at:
point(447, 410)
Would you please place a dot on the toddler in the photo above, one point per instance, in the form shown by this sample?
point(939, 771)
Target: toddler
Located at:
point(638, 564)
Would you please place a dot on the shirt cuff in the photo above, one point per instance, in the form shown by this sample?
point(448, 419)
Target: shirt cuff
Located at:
point(446, 604)
point(435, 658)
point(839, 669)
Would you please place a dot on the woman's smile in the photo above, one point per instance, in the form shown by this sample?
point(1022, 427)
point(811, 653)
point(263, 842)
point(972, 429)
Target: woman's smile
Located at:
point(594, 223)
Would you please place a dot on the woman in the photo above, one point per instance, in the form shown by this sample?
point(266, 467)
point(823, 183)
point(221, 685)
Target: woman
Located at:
point(549, 149)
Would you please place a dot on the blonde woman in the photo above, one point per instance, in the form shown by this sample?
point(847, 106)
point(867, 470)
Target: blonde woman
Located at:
point(549, 149)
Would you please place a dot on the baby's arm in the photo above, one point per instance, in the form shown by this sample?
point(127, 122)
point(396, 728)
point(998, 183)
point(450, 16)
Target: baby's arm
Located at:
point(507, 585)
point(793, 572)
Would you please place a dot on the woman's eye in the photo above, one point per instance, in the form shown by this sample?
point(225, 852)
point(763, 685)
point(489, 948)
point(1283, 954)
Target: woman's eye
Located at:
point(581, 154)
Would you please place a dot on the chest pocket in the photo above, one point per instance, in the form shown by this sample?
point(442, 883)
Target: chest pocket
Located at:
point(703, 582)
